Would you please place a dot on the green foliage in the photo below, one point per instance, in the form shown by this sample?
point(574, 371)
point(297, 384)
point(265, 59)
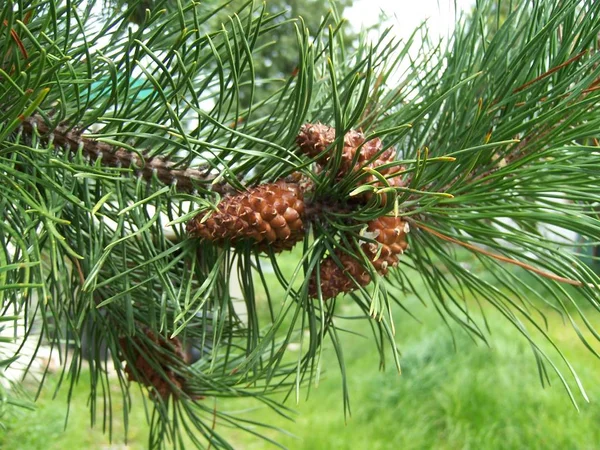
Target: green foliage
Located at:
point(486, 397)
point(273, 62)
point(96, 115)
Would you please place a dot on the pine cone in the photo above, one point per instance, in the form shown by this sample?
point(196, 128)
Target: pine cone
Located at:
point(390, 235)
point(145, 373)
point(314, 139)
point(335, 279)
point(268, 214)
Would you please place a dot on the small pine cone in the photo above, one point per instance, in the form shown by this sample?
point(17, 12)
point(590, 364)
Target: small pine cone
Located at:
point(145, 373)
point(335, 280)
point(369, 150)
point(268, 214)
point(390, 235)
point(314, 139)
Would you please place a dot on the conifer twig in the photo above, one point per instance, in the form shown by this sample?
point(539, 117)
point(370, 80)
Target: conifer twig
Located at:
point(550, 72)
point(185, 179)
point(506, 259)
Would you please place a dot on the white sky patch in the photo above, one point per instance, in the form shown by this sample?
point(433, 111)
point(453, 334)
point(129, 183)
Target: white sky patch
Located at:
point(406, 15)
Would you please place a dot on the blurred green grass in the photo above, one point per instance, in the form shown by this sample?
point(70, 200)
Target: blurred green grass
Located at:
point(453, 393)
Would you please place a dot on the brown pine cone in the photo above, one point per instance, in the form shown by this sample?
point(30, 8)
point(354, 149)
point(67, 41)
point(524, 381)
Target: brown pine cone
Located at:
point(268, 214)
point(390, 235)
point(314, 139)
point(335, 279)
point(145, 373)
point(368, 151)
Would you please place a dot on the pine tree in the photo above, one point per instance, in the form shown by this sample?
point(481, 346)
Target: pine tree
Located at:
point(136, 184)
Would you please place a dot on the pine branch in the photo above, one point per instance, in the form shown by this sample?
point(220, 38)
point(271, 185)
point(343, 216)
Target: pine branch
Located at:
point(488, 143)
point(167, 172)
point(278, 214)
point(528, 267)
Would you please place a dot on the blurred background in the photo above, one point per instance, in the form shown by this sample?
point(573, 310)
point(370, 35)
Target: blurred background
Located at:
point(453, 392)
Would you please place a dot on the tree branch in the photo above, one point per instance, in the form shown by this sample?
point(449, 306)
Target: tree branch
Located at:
point(525, 266)
point(185, 179)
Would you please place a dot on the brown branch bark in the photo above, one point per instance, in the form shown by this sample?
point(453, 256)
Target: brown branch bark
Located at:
point(185, 179)
point(505, 259)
